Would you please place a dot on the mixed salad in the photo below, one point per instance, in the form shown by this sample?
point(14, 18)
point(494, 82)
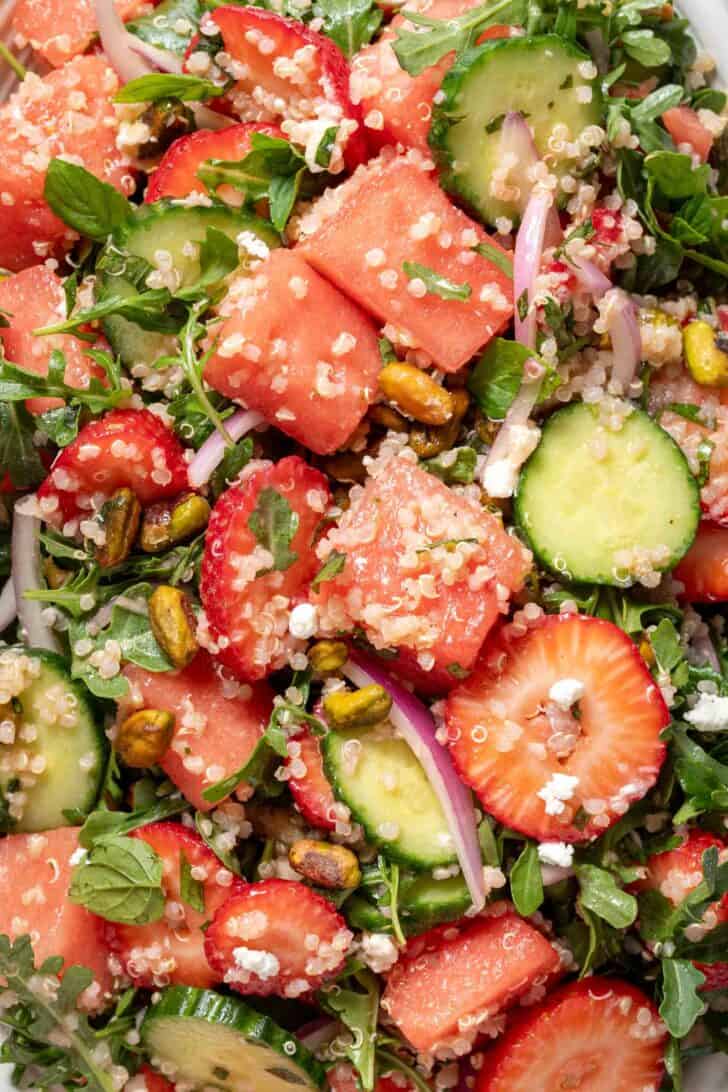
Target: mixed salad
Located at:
point(364, 547)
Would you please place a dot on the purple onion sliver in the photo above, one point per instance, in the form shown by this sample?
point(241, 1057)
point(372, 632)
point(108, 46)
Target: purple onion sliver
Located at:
point(212, 452)
point(125, 60)
point(527, 262)
point(26, 576)
point(8, 609)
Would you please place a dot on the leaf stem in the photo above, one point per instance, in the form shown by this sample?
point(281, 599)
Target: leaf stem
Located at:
point(20, 70)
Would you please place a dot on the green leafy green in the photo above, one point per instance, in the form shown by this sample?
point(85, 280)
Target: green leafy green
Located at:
point(17, 384)
point(274, 524)
point(161, 85)
point(675, 174)
point(104, 823)
point(497, 377)
point(83, 201)
point(526, 882)
point(333, 565)
point(121, 880)
point(419, 49)
point(435, 283)
point(681, 1004)
point(497, 257)
point(356, 1004)
point(163, 26)
point(598, 892)
point(60, 424)
point(233, 461)
point(191, 891)
point(455, 467)
point(349, 23)
point(646, 48)
point(19, 456)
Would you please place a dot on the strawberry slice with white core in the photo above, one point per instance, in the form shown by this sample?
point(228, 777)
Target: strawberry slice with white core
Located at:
point(451, 982)
point(598, 1035)
point(311, 792)
point(171, 951)
point(125, 448)
point(558, 728)
point(283, 69)
point(277, 937)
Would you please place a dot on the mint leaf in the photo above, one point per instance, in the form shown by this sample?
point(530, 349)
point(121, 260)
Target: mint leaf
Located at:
point(496, 378)
point(600, 894)
point(454, 467)
point(160, 85)
point(274, 524)
point(333, 565)
point(526, 882)
point(84, 202)
point(675, 176)
point(436, 284)
point(681, 1004)
point(496, 257)
point(121, 880)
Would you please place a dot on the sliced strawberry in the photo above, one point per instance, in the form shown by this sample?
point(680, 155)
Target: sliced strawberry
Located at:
point(704, 569)
point(217, 721)
point(172, 950)
point(34, 298)
point(176, 175)
point(277, 937)
point(598, 1035)
point(284, 69)
point(342, 1078)
point(125, 448)
point(471, 970)
point(310, 790)
point(538, 767)
point(675, 874)
point(149, 1081)
point(685, 127)
point(247, 601)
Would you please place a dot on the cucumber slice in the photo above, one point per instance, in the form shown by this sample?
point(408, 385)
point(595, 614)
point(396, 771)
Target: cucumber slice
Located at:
point(54, 722)
point(588, 495)
point(406, 819)
point(219, 1042)
point(431, 901)
point(536, 76)
point(130, 342)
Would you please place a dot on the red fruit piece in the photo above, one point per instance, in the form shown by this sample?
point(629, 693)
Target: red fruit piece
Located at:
point(246, 599)
point(35, 873)
point(59, 29)
point(390, 213)
point(125, 448)
point(397, 107)
point(704, 569)
point(403, 588)
point(284, 69)
point(171, 950)
point(68, 112)
point(685, 127)
point(598, 1035)
point(675, 874)
point(277, 937)
point(536, 766)
point(458, 971)
point(310, 790)
point(31, 299)
point(218, 721)
point(297, 350)
point(176, 175)
point(151, 1081)
point(342, 1078)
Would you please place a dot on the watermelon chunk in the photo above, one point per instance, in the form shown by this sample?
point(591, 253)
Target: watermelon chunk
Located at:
point(217, 721)
point(397, 107)
point(68, 112)
point(295, 349)
point(32, 298)
point(412, 574)
point(393, 212)
point(176, 175)
point(59, 29)
point(35, 874)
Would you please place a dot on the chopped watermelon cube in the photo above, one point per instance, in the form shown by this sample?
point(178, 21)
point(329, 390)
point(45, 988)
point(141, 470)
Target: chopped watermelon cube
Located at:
point(35, 874)
point(218, 721)
point(68, 112)
point(474, 970)
point(423, 568)
point(59, 29)
point(298, 351)
point(392, 213)
point(32, 298)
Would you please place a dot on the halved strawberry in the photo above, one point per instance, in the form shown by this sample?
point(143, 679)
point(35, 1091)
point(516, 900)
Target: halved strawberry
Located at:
point(598, 1035)
point(172, 950)
point(125, 448)
point(284, 69)
point(277, 937)
point(176, 175)
point(553, 772)
point(147, 1080)
point(704, 569)
point(246, 598)
point(307, 781)
point(454, 978)
point(675, 874)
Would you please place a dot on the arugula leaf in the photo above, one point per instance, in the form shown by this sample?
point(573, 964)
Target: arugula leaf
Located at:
point(387, 1061)
point(274, 524)
point(417, 49)
point(121, 880)
point(19, 456)
point(325, 147)
point(210, 833)
point(703, 779)
point(436, 284)
point(681, 1004)
point(497, 257)
point(600, 894)
point(233, 461)
point(146, 309)
point(84, 202)
point(666, 646)
point(163, 27)
point(272, 169)
point(526, 882)
point(333, 565)
point(191, 891)
point(270, 747)
point(673, 1063)
point(17, 384)
point(160, 85)
point(61, 424)
point(356, 1005)
point(193, 367)
point(349, 23)
point(455, 467)
point(104, 824)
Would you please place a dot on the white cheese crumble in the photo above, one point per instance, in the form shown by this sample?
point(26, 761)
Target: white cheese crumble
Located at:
point(710, 714)
point(556, 853)
point(565, 692)
point(303, 621)
point(557, 790)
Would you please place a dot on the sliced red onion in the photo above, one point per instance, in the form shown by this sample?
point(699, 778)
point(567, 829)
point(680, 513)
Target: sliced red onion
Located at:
point(118, 44)
point(318, 1033)
point(8, 609)
point(515, 441)
point(416, 726)
point(530, 243)
point(704, 647)
point(517, 140)
point(624, 332)
point(590, 277)
point(161, 59)
point(212, 452)
point(26, 576)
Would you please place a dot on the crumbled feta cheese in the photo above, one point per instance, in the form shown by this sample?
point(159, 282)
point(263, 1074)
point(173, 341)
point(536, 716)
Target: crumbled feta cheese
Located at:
point(303, 621)
point(557, 790)
point(556, 853)
point(710, 714)
point(565, 692)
